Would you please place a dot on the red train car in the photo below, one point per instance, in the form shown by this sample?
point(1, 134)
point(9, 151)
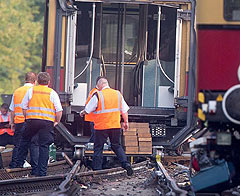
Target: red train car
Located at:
point(217, 152)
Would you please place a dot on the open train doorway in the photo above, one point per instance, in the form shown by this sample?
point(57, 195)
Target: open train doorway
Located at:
point(132, 45)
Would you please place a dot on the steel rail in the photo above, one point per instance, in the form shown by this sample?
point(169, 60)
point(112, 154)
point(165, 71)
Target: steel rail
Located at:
point(111, 171)
point(65, 186)
point(170, 181)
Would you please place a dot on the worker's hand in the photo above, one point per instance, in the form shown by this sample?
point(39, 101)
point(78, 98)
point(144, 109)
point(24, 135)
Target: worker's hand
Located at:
point(12, 126)
point(82, 113)
point(55, 123)
point(125, 126)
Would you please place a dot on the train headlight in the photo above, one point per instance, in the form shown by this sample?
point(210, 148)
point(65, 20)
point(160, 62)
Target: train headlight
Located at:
point(224, 139)
point(231, 104)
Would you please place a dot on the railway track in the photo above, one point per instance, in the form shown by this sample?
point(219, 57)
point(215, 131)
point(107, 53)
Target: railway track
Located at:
point(57, 184)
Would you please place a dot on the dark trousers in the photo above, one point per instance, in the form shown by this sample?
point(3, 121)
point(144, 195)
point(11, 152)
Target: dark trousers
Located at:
point(34, 148)
point(44, 129)
point(91, 140)
point(100, 138)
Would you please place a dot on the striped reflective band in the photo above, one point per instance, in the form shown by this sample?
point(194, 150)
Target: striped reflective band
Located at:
point(40, 114)
point(17, 105)
point(41, 108)
point(108, 110)
point(18, 114)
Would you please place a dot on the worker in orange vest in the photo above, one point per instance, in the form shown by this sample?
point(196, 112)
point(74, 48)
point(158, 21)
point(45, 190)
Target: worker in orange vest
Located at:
point(108, 105)
point(6, 134)
point(90, 117)
point(18, 122)
point(43, 110)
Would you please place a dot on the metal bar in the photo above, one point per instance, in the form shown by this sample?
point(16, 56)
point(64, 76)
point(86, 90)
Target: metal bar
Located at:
point(181, 135)
point(171, 181)
point(57, 48)
point(64, 155)
point(108, 171)
point(65, 185)
point(123, 46)
point(157, 53)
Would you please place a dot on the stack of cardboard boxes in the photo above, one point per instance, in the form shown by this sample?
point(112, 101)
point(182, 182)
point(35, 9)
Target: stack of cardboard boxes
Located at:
point(137, 139)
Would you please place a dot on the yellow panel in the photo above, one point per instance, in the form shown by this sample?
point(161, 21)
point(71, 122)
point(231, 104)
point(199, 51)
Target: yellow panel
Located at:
point(51, 32)
point(184, 52)
point(201, 115)
point(201, 97)
point(211, 12)
point(63, 48)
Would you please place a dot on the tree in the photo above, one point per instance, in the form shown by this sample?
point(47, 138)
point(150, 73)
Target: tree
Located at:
point(21, 27)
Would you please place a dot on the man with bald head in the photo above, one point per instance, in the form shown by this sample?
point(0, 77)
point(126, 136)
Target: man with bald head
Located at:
point(108, 105)
point(18, 120)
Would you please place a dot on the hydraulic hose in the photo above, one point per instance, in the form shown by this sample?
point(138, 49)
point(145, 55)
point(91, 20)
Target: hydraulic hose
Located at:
point(92, 43)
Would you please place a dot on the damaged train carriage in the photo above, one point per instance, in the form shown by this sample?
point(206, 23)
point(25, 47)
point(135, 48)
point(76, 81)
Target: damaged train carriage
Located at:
point(145, 48)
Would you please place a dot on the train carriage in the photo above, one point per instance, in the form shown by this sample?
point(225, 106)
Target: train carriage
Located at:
point(143, 48)
point(215, 155)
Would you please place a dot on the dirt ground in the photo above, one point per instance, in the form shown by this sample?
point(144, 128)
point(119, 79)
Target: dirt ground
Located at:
point(125, 186)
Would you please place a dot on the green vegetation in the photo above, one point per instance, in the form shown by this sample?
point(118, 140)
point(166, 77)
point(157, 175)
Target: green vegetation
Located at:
point(21, 33)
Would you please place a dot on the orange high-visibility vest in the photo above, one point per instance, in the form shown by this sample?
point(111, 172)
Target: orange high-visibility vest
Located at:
point(90, 117)
point(107, 114)
point(40, 106)
point(18, 97)
point(6, 130)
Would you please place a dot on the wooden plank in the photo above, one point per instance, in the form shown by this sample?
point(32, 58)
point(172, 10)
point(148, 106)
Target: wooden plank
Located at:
point(129, 133)
point(149, 139)
point(144, 135)
point(138, 125)
point(130, 138)
point(145, 144)
point(130, 143)
point(104, 152)
point(145, 149)
point(131, 149)
point(142, 125)
point(132, 129)
point(142, 153)
point(132, 125)
point(143, 130)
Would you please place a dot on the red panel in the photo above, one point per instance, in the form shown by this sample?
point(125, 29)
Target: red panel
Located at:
point(62, 76)
point(218, 58)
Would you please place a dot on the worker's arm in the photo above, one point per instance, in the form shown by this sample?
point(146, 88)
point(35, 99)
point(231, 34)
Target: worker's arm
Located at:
point(54, 98)
point(58, 117)
point(91, 106)
point(12, 121)
point(124, 111)
point(125, 118)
